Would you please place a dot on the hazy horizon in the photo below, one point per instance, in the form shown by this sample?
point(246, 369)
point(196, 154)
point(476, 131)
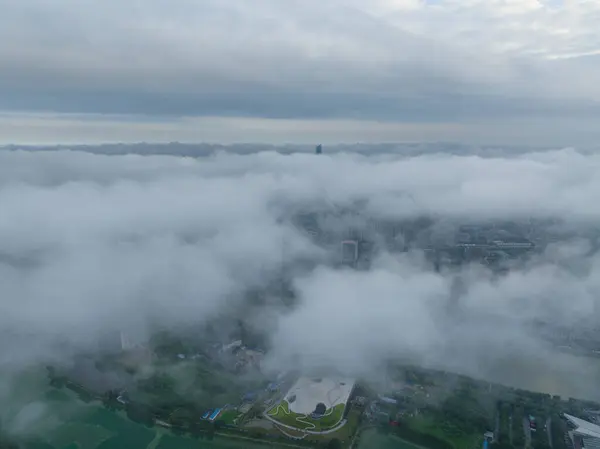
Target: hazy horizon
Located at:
point(497, 71)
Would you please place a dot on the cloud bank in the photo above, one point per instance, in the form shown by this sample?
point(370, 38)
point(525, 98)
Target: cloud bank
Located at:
point(91, 244)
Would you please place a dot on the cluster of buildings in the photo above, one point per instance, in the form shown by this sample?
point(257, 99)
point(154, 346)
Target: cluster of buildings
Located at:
point(358, 237)
point(211, 415)
point(240, 357)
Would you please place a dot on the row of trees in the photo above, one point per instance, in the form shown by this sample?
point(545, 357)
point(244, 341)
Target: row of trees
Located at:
point(466, 412)
point(519, 408)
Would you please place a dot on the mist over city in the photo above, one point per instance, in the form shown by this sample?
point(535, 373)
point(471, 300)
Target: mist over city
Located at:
point(319, 224)
point(94, 244)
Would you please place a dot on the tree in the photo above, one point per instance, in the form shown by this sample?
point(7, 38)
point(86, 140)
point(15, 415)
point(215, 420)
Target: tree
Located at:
point(140, 414)
point(109, 400)
point(501, 445)
point(197, 430)
point(255, 411)
point(158, 383)
point(211, 433)
point(181, 418)
point(334, 443)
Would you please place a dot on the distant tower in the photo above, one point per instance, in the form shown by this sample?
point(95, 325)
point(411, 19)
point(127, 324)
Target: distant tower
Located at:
point(349, 252)
point(126, 343)
point(319, 149)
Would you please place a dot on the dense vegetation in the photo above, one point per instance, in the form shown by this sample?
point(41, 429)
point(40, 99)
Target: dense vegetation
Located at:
point(435, 409)
point(449, 411)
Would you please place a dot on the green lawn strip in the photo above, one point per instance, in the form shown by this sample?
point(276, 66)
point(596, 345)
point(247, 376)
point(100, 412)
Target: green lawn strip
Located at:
point(128, 434)
point(400, 443)
point(373, 439)
point(85, 436)
point(347, 431)
point(229, 416)
point(280, 412)
point(504, 422)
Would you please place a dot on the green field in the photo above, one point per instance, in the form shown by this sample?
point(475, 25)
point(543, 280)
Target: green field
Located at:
point(99, 428)
point(282, 414)
point(229, 416)
point(427, 425)
point(372, 439)
point(68, 423)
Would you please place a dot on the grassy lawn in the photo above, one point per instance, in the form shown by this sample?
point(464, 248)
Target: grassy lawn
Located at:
point(68, 423)
point(372, 439)
point(427, 424)
point(347, 431)
point(327, 422)
point(82, 436)
point(127, 433)
point(281, 413)
point(229, 416)
point(344, 434)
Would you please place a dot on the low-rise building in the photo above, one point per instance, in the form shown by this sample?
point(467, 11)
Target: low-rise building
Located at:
point(583, 433)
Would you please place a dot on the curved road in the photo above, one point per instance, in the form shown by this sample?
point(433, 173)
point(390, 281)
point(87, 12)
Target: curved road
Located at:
point(301, 418)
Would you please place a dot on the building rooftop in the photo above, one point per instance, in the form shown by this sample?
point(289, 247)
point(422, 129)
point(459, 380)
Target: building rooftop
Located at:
point(583, 428)
point(307, 392)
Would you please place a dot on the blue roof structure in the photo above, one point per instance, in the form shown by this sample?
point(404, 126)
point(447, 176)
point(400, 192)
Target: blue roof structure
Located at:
point(214, 414)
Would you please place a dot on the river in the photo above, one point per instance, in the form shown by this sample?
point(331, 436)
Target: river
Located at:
point(563, 374)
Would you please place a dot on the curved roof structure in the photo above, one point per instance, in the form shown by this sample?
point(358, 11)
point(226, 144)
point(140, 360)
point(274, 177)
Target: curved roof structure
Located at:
point(584, 428)
point(587, 431)
point(309, 392)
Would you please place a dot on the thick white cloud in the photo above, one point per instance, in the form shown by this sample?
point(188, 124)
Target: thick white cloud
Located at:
point(91, 243)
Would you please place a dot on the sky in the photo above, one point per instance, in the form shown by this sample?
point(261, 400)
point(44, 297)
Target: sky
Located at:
point(92, 244)
point(304, 71)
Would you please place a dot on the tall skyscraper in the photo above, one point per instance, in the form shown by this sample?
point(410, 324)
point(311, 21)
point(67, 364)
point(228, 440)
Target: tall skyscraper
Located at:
point(349, 251)
point(319, 149)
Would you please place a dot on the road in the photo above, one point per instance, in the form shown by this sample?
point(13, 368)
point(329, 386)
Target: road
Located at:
point(549, 432)
point(527, 431)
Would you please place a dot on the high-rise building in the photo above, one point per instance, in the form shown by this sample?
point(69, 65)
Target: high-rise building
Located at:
point(126, 342)
point(349, 251)
point(319, 149)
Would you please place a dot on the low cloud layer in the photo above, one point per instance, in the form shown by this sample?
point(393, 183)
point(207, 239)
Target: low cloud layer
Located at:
point(91, 244)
